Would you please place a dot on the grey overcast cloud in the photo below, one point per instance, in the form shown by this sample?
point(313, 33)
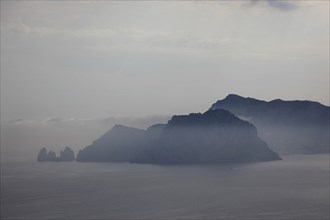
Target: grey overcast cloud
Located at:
point(96, 59)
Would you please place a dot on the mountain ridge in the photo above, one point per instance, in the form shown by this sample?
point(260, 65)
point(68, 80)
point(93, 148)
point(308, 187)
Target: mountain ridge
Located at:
point(297, 126)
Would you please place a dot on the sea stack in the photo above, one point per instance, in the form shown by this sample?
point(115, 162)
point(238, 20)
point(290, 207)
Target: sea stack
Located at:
point(42, 156)
point(67, 154)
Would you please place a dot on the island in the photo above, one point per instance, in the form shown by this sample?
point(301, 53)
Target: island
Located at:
point(212, 137)
point(66, 155)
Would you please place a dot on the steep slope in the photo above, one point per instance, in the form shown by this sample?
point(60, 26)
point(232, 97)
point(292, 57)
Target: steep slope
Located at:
point(287, 126)
point(215, 136)
point(119, 144)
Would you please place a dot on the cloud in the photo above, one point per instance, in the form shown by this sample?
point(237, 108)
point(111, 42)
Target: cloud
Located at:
point(140, 122)
point(15, 121)
point(86, 32)
point(283, 5)
point(125, 39)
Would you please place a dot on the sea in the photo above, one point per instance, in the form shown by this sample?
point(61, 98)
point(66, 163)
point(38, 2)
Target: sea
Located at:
point(296, 187)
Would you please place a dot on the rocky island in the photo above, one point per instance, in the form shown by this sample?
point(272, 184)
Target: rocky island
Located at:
point(66, 155)
point(226, 132)
point(212, 137)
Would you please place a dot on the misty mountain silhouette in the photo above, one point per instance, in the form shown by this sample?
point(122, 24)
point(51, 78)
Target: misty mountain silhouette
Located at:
point(215, 136)
point(287, 126)
point(212, 137)
point(119, 144)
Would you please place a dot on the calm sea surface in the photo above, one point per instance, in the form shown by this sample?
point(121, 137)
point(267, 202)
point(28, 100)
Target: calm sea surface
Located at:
point(294, 188)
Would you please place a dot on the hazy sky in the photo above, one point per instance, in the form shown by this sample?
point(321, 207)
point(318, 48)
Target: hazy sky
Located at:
point(109, 59)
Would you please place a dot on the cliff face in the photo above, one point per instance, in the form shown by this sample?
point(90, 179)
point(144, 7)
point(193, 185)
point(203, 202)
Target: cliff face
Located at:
point(67, 155)
point(287, 126)
point(42, 156)
point(215, 136)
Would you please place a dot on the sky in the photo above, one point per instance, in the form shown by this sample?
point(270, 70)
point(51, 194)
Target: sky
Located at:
point(85, 60)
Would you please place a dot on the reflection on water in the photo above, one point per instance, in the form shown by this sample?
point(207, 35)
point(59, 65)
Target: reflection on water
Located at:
point(294, 188)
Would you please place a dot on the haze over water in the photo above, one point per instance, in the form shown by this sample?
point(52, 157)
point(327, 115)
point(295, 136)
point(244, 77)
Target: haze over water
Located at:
point(294, 188)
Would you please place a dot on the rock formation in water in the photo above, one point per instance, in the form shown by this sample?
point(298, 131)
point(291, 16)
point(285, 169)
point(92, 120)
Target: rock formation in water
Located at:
point(287, 126)
point(52, 156)
point(42, 156)
point(213, 137)
point(66, 155)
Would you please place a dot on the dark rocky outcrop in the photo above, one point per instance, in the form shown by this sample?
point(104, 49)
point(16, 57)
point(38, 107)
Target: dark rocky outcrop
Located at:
point(52, 156)
point(67, 155)
point(42, 156)
point(287, 126)
point(212, 137)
